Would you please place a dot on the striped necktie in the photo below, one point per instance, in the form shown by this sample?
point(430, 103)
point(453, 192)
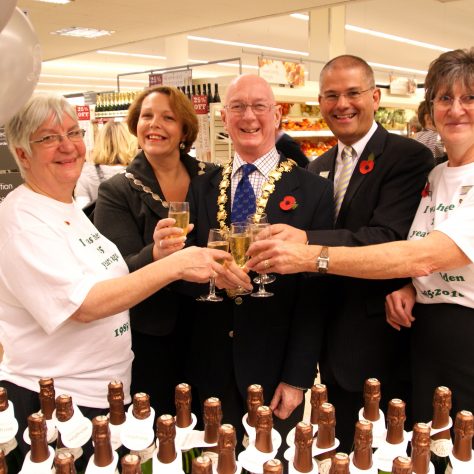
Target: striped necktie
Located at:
point(244, 198)
point(344, 177)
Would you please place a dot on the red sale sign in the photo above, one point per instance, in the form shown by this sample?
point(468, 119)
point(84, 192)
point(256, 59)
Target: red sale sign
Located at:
point(200, 104)
point(83, 112)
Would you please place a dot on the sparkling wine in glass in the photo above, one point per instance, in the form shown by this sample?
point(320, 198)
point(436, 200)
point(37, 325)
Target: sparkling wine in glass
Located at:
point(260, 231)
point(267, 277)
point(179, 211)
point(217, 239)
point(239, 242)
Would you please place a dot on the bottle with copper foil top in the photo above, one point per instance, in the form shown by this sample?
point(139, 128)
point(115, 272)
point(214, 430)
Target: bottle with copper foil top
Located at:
point(115, 397)
point(303, 460)
point(131, 464)
point(319, 395)
point(441, 444)
point(263, 429)
point(141, 406)
point(273, 466)
point(372, 396)
point(201, 465)
point(64, 463)
point(362, 457)
point(166, 434)
point(39, 444)
point(47, 397)
point(11, 450)
point(254, 400)
point(103, 453)
point(340, 464)
point(227, 441)
point(64, 412)
point(402, 465)
point(395, 421)
point(3, 463)
point(326, 436)
point(420, 448)
point(212, 419)
point(182, 400)
point(463, 433)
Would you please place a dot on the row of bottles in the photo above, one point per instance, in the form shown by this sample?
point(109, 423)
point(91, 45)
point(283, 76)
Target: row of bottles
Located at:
point(113, 103)
point(195, 89)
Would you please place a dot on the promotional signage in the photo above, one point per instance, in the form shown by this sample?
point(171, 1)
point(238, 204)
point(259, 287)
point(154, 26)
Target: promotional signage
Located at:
point(8, 182)
point(405, 86)
point(200, 104)
point(155, 80)
point(172, 78)
point(281, 72)
point(7, 162)
point(83, 112)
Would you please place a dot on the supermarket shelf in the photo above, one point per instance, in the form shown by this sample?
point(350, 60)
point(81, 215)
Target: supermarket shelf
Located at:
point(309, 133)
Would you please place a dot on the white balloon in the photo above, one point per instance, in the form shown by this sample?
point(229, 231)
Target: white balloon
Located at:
point(20, 64)
point(6, 12)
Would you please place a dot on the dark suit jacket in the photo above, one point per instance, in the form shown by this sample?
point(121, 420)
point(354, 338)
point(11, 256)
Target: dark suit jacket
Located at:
point(291, 149)
point(127, 216)
point(378, 207)
point(259, 340)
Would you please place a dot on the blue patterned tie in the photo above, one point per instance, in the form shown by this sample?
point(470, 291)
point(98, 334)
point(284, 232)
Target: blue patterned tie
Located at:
point(244, 198)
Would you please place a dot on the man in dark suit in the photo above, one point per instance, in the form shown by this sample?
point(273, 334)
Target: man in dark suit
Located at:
point(290, 148)
point(244, 340)
point(377, 184)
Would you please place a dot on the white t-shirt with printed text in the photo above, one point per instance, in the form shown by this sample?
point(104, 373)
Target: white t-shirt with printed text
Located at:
point(448, 207)
point(51, 255)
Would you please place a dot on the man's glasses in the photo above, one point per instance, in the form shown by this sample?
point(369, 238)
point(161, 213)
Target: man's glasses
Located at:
point(353, 96)
point(445, 102)
point(55, 139)
point(239, 108)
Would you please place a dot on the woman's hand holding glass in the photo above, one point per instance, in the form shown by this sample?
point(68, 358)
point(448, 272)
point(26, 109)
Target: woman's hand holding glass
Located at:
point(168, 238)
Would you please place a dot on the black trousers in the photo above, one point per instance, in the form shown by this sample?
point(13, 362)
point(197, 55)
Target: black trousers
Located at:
point(442, 354)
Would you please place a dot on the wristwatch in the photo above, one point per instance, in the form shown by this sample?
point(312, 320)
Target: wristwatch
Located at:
point(322, 262)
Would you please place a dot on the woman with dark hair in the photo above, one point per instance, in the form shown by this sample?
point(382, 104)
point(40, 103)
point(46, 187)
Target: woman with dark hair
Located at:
point(128, 209)
point(438, 254)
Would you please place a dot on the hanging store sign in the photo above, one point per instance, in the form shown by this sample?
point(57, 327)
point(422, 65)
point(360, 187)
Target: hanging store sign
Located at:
point(399, 85)
point(8, 182)
point(172, 78)
point(281, 72)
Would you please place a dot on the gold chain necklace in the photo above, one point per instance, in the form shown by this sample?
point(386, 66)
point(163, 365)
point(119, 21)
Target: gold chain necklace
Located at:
point(146, 189)
point(267, 189)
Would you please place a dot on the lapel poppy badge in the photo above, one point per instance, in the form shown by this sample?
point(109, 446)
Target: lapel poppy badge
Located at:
point(366, 166)
point(426, 190)
point(288, 204)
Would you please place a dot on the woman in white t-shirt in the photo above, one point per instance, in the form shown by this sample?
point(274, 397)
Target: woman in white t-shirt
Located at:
point(439, 253)
point(65, 289)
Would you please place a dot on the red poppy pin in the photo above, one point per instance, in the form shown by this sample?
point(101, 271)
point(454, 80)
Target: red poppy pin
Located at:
point(426, 190)
point(366, 166)
point(288, 204)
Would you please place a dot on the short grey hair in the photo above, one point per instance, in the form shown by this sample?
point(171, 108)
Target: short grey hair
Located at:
point(29, 118)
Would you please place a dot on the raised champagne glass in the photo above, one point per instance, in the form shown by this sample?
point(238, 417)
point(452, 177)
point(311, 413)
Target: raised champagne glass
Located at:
point(260, 231)
point(179, 211)
point(217, 239)
point(239, 242)
point(267, 277)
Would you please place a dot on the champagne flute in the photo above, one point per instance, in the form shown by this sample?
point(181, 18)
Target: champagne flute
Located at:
point(239, 242)
point(267, 277)
point(179, 211)
point(217, 239)
point(259, 231)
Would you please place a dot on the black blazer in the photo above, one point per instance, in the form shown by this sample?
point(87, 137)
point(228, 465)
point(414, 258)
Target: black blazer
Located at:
point(258, 340)
point(378, 207)
point(127, 216)
point(291, 149)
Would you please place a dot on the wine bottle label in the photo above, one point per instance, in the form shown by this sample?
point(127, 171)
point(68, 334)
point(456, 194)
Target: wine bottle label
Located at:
point(76, 431)
point(9, 446)
point(110, 469)
point(145, 454)
point(8, 424)
point(441, 447)
point(51, 435)
point(324, 466)
point(115, 431)
point(43, 467)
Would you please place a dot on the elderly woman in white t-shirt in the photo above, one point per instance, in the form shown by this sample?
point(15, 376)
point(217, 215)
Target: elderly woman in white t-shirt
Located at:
point(439, 253)
point(65, 289)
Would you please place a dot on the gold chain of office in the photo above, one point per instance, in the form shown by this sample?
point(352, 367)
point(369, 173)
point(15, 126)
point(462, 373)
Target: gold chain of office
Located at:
point(261, 203)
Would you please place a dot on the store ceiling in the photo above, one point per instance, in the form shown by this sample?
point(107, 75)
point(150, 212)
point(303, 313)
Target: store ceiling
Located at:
point(141, 27)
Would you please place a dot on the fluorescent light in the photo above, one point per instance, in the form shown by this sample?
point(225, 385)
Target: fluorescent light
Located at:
point(134, 55)
point(247, 45)
point(244, 66)
point(59, 2)
point(397, 68)
point(89, 78)
point(300, 16)
point(399, 39)
point(79, 32)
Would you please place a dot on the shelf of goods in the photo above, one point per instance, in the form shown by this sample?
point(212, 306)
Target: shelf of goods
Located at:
point(222, 149)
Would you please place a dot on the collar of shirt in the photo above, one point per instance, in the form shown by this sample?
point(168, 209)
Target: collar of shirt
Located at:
point(359, 149)
point(265, 164)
